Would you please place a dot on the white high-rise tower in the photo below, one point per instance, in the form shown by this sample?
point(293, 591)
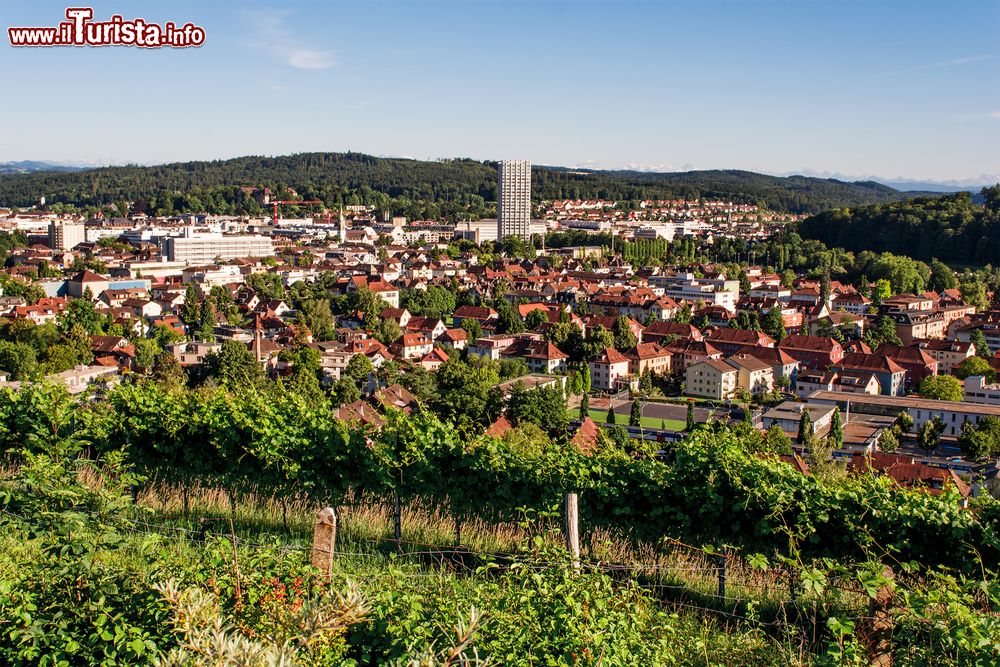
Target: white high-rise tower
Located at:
point(65, 235)
point(514, 199)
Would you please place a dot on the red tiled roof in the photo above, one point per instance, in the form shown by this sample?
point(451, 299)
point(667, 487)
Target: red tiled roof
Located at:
point(437, 354)
point(749, 362)
point(809, 343)
point(870, 362)
point(396, 396)
point(474, 312)
point(857, 346)
point(392, 313)
point(741, 336)
point(534, 349)
point(585, 438)
point(907, 472)
point(412, 339)
point(699, 347)
point(902, 354)
point(88, 276)
point(499, 428)
point(796, 462)
point(455, 334)
point(772, 355)
point(611, 356)
point(671, 329)
point(647, 351)
point(720, 365)
point(359, 411)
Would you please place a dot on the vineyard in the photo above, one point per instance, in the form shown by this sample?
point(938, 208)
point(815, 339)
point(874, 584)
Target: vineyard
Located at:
point(180, 525)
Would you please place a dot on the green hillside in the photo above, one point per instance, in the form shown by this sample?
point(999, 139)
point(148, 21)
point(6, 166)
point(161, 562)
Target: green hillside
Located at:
point(449, 188)
point(949, 228)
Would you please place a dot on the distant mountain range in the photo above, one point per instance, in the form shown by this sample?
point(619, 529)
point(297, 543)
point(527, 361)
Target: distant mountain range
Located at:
point(456, 187)
point(31, 166)
point(908, 184)
point(936, 186)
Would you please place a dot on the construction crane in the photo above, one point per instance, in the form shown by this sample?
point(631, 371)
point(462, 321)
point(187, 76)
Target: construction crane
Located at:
point(298, 202)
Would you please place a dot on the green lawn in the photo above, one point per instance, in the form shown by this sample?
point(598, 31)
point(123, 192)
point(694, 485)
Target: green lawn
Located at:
point(601, 416)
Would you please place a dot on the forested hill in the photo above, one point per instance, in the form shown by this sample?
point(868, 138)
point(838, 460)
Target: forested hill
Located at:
point(446, 187)
point(794, 194)
point(949, 228)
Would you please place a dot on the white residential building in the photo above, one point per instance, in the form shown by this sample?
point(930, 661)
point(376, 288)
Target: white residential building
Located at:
point(207, 248)
point(712, 291)
point(610, 371)
point(977, 391)
point(713, 378)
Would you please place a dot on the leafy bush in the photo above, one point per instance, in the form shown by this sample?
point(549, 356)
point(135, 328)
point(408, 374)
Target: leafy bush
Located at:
point(70, 594)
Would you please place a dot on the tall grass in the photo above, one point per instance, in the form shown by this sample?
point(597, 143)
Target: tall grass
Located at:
point(364, 522)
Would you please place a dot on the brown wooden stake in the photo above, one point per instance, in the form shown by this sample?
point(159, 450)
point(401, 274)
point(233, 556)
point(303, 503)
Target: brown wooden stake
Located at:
point(236, 558)
point(878, 627)
point(572, 529)
point(397, 520)
point(324, 541)
point(721, 560)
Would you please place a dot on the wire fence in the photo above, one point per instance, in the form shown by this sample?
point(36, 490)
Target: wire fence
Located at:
point(720, 584)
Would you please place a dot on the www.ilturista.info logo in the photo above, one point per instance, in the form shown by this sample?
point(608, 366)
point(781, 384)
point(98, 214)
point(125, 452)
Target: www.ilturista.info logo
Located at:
point(80, 30)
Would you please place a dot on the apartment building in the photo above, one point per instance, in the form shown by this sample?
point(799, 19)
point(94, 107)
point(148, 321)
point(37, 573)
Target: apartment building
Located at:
point(948, 353)
point(891, 376)
point(207, 248)
point(514, 199)
point(816, 352)
point(976, 390)
point(610, 371)
point(753, 375)
point(710, 291)
point(66, 235)
point(712, 378)
point(951, 413)
point(649, 357)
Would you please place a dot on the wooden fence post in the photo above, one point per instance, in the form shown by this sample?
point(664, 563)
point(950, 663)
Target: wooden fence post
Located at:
point(879, 625)
point(572, 528)
point(324, 540)
point(722, 575)
point(397, 519)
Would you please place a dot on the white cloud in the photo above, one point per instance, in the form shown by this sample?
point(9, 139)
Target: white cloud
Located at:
point(989, 115)
point(271, 34)
point(954, 62)
point(642, 166)
point(662, 167)
point(311, 59)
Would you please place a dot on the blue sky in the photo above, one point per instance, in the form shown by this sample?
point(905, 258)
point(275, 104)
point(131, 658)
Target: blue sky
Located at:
point(853, 87)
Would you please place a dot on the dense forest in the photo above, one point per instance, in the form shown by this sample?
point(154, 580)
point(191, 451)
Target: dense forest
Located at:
point(950, 228)
point(419, 189)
